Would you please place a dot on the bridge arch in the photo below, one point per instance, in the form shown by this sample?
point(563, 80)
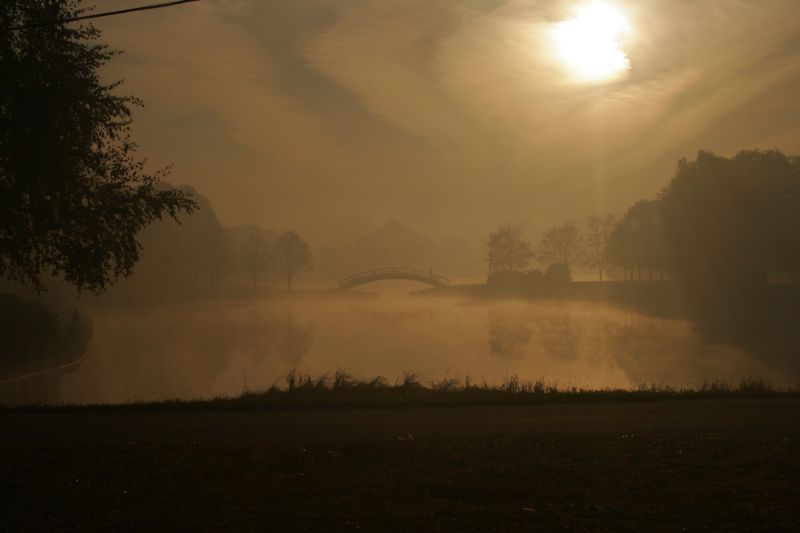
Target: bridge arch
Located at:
point(380, 274)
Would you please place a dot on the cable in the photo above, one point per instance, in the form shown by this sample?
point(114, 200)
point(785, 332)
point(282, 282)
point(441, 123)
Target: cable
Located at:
point(105, 14)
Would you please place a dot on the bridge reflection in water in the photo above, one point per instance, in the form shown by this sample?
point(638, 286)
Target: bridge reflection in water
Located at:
point(381, 274)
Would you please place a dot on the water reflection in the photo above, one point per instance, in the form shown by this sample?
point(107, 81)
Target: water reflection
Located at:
point(270, 335)
point(395, 318)
point(509, 333)
point(197, 351)
point(293, 340)
point(561, 337)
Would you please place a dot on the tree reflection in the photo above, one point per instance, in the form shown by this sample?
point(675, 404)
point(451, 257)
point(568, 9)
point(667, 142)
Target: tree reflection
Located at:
point(560, 337)
point(293, 341)
point(508, 334)
point(555, 334)
point(281, 336)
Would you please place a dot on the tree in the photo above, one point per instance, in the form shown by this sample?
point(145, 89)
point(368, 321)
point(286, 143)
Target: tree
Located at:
point(222, 256)
point(190, 255)
point(558, 274)
point(507, 251)
point(560, 245)
point(255, 256)
point(292, 256)
point(31, 333)
point(73, 195)
point(621, 248)
point(596, 240)
point(729, 222)
point(637, 242)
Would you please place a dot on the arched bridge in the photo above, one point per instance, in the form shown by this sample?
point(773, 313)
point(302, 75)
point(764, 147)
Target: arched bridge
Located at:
point(381, 274)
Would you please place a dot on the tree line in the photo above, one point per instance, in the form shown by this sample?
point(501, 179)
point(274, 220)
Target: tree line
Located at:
point(560, 248)
point(287, 254)
point(722, 228)
point(634, 243)
point(75, 197)
point(201, 252)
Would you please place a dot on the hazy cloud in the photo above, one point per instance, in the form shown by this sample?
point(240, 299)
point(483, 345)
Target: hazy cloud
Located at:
point(450, 115)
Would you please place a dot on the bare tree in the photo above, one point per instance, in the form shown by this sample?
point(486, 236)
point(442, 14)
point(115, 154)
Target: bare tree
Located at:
point(292, 255)
point(595, 242)
point(255, 255)
point(507, 251)
point(560, 245)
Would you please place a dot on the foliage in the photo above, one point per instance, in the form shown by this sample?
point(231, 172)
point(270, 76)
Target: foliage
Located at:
point(560, 245)
point(532, 283)
point(73, 195)
point(299, 390)
point(31, 333)
point(558, 274)
point(596, 239)
point(515, 281)
point(507, 251)
point(255, 256)
point(729, 222)
point(190, 255)
point(637, 242)
point(292, 255)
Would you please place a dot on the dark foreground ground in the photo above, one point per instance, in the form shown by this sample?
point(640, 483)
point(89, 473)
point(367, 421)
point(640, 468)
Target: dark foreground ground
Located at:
point(719, 465)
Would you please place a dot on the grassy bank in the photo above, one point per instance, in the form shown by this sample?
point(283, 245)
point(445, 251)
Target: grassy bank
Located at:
point(342, 390)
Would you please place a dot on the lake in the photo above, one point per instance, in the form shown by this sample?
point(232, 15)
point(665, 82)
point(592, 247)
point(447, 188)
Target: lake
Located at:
point(223, 348)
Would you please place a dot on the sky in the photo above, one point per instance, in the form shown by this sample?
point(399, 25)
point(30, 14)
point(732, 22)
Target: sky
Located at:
point(449, 116)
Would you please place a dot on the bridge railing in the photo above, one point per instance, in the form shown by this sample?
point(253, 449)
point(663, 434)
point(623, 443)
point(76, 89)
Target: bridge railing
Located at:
point(403, 273)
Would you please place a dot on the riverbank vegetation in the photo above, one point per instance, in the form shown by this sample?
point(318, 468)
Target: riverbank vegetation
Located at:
point(723, 228)
point(342, 390)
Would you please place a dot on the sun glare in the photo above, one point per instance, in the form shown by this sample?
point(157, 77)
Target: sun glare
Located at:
point(588, 45)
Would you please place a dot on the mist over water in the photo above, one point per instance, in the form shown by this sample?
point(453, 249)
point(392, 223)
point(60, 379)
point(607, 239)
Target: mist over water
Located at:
point(460, 264)
point(224, 348)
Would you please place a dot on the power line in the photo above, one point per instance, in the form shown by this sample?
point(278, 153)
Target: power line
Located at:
point(104, 14)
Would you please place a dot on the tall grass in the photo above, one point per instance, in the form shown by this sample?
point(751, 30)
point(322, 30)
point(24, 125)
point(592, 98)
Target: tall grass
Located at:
point(297, 390)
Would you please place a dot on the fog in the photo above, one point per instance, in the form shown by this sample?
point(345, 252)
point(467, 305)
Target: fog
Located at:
point(560, 189)
point(454, 264)
point(452, 117)
point(224, 348)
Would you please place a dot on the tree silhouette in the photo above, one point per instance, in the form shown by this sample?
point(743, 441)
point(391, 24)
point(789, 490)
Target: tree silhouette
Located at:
point(292, 256)
point(179, 259)
point(557, 274)
point(255, 256)
point(637, 242)
point(621, 250)
point(729, 222)
point(507, 251)
point(596, 239)
point(73, 195)
point(560, 245)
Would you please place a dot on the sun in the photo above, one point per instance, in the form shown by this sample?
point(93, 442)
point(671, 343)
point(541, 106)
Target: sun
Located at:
point(588, 45)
